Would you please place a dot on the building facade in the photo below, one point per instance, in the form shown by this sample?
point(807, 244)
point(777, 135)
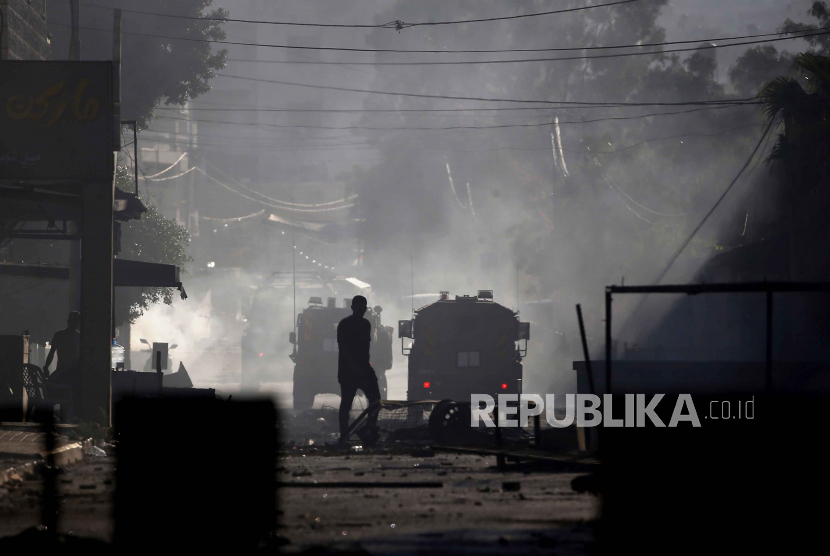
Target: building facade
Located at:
point(23, 34)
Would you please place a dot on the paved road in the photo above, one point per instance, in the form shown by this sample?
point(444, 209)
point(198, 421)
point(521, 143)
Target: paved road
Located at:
point(86, 500)
point(472, 511)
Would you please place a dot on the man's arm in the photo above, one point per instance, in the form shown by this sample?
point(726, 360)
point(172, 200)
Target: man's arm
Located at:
point(368, 336)
point(50, 355)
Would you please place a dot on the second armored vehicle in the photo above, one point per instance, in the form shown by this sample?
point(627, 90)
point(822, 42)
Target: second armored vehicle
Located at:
point(462, 346)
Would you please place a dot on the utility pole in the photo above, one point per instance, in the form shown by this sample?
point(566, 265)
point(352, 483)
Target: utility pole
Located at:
point(517, 285)
point(294, 270)
point(75, 37)
point(192, 213)
point(74, 227)
point(116, 117)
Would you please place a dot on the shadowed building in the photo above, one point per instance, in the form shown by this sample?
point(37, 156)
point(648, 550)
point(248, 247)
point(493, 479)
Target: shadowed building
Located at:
point(23, 33)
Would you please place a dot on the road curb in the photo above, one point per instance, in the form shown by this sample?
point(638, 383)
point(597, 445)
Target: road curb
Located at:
point(64, 455)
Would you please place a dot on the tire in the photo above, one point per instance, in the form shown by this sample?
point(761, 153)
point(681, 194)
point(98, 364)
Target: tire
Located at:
point(304, 391)
point(448, 421)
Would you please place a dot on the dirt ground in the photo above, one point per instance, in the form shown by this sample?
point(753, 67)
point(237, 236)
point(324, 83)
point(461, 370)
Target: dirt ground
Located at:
point(85, 489)
point(474, 510)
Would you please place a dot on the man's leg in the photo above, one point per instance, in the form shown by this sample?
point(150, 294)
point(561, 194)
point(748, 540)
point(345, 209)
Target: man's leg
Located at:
point(347, 393)
point(370, 388)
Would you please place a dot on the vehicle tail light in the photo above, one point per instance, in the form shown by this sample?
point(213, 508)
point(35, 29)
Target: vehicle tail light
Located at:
point(426, 384)
point(504, 386)
point(261, 354)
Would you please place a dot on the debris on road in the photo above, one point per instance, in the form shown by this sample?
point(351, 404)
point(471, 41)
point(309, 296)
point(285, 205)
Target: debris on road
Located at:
point(366, 484)
point(95, 451)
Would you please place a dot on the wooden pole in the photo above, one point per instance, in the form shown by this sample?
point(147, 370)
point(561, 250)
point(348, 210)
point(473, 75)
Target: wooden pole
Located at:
point(585, 349)
point(74, 246)
point(608, 340)
point(135, 155)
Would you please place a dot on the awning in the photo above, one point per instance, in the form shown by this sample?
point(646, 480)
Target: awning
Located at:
point(124, 273)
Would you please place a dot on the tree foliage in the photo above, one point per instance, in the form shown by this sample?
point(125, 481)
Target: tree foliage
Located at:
point(154, 68)
point(756, 67)
point(632, 189)
point(153, 239)
point(819, 43)
point(802, 105)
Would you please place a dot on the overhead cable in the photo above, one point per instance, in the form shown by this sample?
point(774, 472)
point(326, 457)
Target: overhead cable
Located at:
point(286, 203)
point(556, 59)
point(170, 177)
point(609, 118)
point(184, 154)
point(578, 104)
point(792, 36)
point(230, 220)
point(374, 128)
point(360, 146)
point(282, 207)
point(452, 188)
point(717, 203)
point(396, 24)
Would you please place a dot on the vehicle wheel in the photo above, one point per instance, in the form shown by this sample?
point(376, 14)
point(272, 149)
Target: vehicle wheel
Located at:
point(304, 392)
point(448, 420)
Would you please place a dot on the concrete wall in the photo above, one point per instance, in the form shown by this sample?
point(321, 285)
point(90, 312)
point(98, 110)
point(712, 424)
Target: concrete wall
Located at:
point(24, 35)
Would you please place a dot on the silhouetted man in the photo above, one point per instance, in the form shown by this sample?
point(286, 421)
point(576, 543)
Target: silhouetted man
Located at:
point(67, 344)
point(354, 335)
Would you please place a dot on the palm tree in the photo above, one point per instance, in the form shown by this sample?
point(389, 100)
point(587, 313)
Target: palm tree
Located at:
point(801, 105)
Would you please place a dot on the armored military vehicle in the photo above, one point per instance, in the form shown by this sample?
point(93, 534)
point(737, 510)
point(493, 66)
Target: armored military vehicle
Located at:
point(462, 346)
point(271, 311)
point(316, 350)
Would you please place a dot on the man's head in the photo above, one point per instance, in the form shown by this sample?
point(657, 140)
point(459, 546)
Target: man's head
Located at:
point(359, 305)
point(73, 320)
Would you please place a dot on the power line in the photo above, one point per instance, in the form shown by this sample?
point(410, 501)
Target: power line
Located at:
point(184, 154)
point(173, 177)
point(381, 110)
point(528, 60)
point(577, 104)
point(261, 202)
point(717, 203)
point(397, 24)
point(373, 128)
point(794, 36)
point(520, 16)
point(232, 220)
point(364, 145)
point(353, 110)
point(680, 136)
point(606, 119)
point(289, 204)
